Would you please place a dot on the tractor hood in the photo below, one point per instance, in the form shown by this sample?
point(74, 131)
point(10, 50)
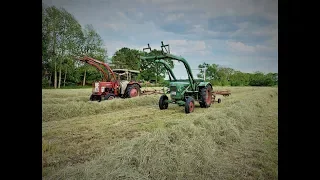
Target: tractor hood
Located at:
point(180, 84)
point(177, 89)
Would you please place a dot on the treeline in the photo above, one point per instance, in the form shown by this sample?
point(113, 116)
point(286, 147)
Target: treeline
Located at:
point(63, 39)
point(224, 76)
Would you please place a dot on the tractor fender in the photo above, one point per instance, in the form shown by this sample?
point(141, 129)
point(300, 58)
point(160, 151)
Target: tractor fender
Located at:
point(131, 83)
point(204, 84)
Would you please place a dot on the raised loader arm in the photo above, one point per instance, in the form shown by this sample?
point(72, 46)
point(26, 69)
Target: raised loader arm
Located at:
point(167, 55)
point(167, 67)
point(97, 64)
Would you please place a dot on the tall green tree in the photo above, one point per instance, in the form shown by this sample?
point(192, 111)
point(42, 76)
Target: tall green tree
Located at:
point(63, 38)
point(70, 35)
point(126, 58)
point(210, 71)
point(50, 31)
point(93, 47)
point(224, 74)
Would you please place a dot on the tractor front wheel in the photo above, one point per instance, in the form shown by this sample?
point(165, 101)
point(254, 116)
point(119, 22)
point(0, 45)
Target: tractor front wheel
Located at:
point(133, 91)
point(162, 102)
point(189, 106)
point(99, 98)
point(91, 98)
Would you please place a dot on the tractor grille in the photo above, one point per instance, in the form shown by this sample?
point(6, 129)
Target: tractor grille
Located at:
point(173, 88)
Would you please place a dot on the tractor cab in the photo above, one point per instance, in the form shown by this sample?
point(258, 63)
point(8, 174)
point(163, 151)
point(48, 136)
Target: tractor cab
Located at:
point(125, 77)
point(126, 74)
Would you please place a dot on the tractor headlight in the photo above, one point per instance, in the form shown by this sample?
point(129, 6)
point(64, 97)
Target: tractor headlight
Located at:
point(173, 93)
point(96, 87)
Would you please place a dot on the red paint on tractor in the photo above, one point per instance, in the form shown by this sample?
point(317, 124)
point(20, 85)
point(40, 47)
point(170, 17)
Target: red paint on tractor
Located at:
point(191, 106)
point(109, 85)
point(133, 92)
point(209, 97)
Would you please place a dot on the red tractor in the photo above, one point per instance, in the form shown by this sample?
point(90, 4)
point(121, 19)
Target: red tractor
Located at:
point(113, 85)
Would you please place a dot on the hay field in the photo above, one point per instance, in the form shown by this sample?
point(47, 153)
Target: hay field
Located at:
point(133, 139)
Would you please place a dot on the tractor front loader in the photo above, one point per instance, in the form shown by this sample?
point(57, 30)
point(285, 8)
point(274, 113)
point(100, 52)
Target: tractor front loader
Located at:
point(184, 93)
point(112, 86)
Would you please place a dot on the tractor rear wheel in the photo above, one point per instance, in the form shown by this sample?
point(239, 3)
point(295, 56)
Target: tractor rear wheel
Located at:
point(206, 97)
point(189, 106)
point(109, 96)
point(133, 91)
point(162, 103)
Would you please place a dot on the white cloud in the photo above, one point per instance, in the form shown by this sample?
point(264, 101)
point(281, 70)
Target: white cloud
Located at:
point(198, 28)
point(156, 1)
point(178, 42)
point(174, 16)
point(140, 14)
point(187, 47)
point(116, 27)
point(270, 30)
point(113, 46)
point(240, 47)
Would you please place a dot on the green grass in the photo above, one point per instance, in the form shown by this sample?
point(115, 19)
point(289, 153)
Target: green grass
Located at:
point(133, 139)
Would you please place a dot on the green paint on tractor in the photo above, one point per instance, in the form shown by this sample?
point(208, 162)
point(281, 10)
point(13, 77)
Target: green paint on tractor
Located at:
point(182, 92)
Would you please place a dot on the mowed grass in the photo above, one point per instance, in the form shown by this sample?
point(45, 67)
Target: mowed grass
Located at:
point(133, 139)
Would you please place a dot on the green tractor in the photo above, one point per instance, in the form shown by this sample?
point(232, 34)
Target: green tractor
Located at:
point(183, 93)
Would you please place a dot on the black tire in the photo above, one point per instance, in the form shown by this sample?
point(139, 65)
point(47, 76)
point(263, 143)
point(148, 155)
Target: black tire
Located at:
point(205, 101)
point(189, 106)
point(133, 87)
point(162, 103)
point(91, 98)
point(201, 105)
point(109, 97)
point(99, 98)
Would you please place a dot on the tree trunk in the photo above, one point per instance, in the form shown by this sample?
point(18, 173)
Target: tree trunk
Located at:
point(65, 77)
point(84, 78)
point(59, 76)
point(55, 74)
point(61, 59)
point(49, 80)
point(55, 59)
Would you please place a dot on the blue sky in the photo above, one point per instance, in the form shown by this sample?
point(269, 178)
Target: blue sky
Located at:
point(241, 34)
